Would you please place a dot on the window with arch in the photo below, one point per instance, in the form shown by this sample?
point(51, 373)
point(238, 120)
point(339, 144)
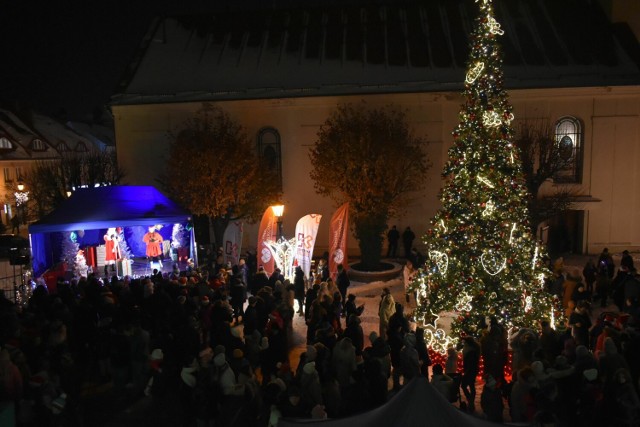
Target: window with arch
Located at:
point(269, 150)
point(62, 147)
point(568, 134)
point(37, 145)
point(5, 144)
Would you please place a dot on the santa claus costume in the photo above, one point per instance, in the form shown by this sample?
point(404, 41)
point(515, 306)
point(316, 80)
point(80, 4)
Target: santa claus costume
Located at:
point(112, 249)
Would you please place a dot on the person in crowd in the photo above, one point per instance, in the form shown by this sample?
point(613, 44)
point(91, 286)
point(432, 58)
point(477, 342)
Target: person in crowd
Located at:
point(397, 329)
point(580, 322)
point(393, 235)
point(589, 272)
point(386, 308)
point(408, 237)
point(491, 400)
point(442, 382)
point(408, 274)
point(300, 285)
point(342, 281)
point(606, 264)
point(470, 370)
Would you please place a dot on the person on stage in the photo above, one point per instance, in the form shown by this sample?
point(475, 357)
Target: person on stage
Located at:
point(153, 240)
point(112, 249)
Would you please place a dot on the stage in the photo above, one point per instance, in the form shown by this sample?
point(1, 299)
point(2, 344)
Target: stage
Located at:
point(139, 267)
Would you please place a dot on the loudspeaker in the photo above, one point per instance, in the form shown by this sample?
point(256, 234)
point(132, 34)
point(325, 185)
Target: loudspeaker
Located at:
point(18, 258)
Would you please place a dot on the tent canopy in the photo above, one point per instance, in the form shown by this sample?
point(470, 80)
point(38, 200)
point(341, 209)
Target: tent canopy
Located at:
point(113, 206)
point(93, 209)
point(417, 404)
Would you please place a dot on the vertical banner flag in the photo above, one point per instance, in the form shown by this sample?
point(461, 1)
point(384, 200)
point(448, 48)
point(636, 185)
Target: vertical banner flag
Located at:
point(306, 231)
point(338, 232)
point(232, 242)
point(268, 231)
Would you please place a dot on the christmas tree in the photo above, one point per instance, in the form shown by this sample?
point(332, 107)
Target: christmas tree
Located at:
point(125, 250)
point(482, 259)
point(70, 250)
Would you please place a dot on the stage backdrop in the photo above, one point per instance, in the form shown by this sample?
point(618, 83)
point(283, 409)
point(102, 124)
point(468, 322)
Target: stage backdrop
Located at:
point(90, 211)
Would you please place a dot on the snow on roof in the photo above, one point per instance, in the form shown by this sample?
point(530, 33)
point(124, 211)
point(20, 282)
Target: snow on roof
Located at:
point(405, 46)
point(54, 135)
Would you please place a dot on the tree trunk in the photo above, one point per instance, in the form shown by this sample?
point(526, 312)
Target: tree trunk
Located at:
point(219, 227)
point(369, 232)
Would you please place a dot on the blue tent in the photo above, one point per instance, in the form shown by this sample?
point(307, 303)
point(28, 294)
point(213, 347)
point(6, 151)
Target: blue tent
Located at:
point(90, 211)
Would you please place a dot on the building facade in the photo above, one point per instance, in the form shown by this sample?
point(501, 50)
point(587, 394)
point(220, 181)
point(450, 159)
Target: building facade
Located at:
point(280, 73)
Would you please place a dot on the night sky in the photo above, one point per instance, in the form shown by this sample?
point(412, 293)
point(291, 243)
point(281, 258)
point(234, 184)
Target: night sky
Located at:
point(72, 57)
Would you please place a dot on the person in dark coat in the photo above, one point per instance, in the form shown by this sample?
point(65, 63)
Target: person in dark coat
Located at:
point(407, 240)
point(238, 293)
point(275, 277)
point(299, 289)
point(355, 333)
point(250, 317)
point(397, 329)
point(471, 368)
point(580, 321)
point(351, 308)
point(491, 400)
point(259, 281)
point(343, 281)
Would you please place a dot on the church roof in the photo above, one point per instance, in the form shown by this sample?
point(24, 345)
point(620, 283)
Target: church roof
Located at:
point(346, 49)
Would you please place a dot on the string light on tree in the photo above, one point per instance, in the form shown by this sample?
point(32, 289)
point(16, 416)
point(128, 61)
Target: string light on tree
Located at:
point(481, 232)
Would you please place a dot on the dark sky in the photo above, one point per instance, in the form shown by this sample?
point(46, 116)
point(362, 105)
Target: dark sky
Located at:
point(72, 56)
point(67, 57)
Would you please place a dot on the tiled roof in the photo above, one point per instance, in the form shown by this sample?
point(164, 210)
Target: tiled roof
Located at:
point(403, 46)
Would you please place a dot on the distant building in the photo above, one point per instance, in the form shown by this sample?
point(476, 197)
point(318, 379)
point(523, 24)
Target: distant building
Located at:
point(26, 138)
point(280, 72)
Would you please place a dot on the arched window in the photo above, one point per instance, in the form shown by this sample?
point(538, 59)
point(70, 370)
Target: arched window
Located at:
point(569, 140)
point(62, 147)
point(269, 150)
point(5, 144)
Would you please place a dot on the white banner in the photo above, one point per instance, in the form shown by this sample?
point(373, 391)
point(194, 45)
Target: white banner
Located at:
point(306, 231)
point(232, 242)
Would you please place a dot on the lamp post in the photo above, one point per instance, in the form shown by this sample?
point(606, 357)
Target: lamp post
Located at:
point(278, 211)
point(22, 197)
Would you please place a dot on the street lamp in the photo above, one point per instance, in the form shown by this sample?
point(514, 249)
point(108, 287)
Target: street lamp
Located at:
point(22, 197)
point(278, 211)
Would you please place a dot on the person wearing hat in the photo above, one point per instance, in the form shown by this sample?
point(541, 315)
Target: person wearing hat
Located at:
point(386, 308)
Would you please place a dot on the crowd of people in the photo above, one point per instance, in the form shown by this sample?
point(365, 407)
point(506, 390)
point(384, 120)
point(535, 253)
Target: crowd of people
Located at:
point(211, 347)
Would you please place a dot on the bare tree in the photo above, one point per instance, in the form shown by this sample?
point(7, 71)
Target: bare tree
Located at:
point(542, 160)
point(48, 181)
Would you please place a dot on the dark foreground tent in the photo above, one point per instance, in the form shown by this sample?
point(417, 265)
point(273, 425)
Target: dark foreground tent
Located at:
point(418, 404)
point(89, 212)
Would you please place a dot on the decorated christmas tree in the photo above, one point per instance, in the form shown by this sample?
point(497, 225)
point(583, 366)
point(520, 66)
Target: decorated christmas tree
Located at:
point(70, 250)
point(482, 259)
point(125, 250)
